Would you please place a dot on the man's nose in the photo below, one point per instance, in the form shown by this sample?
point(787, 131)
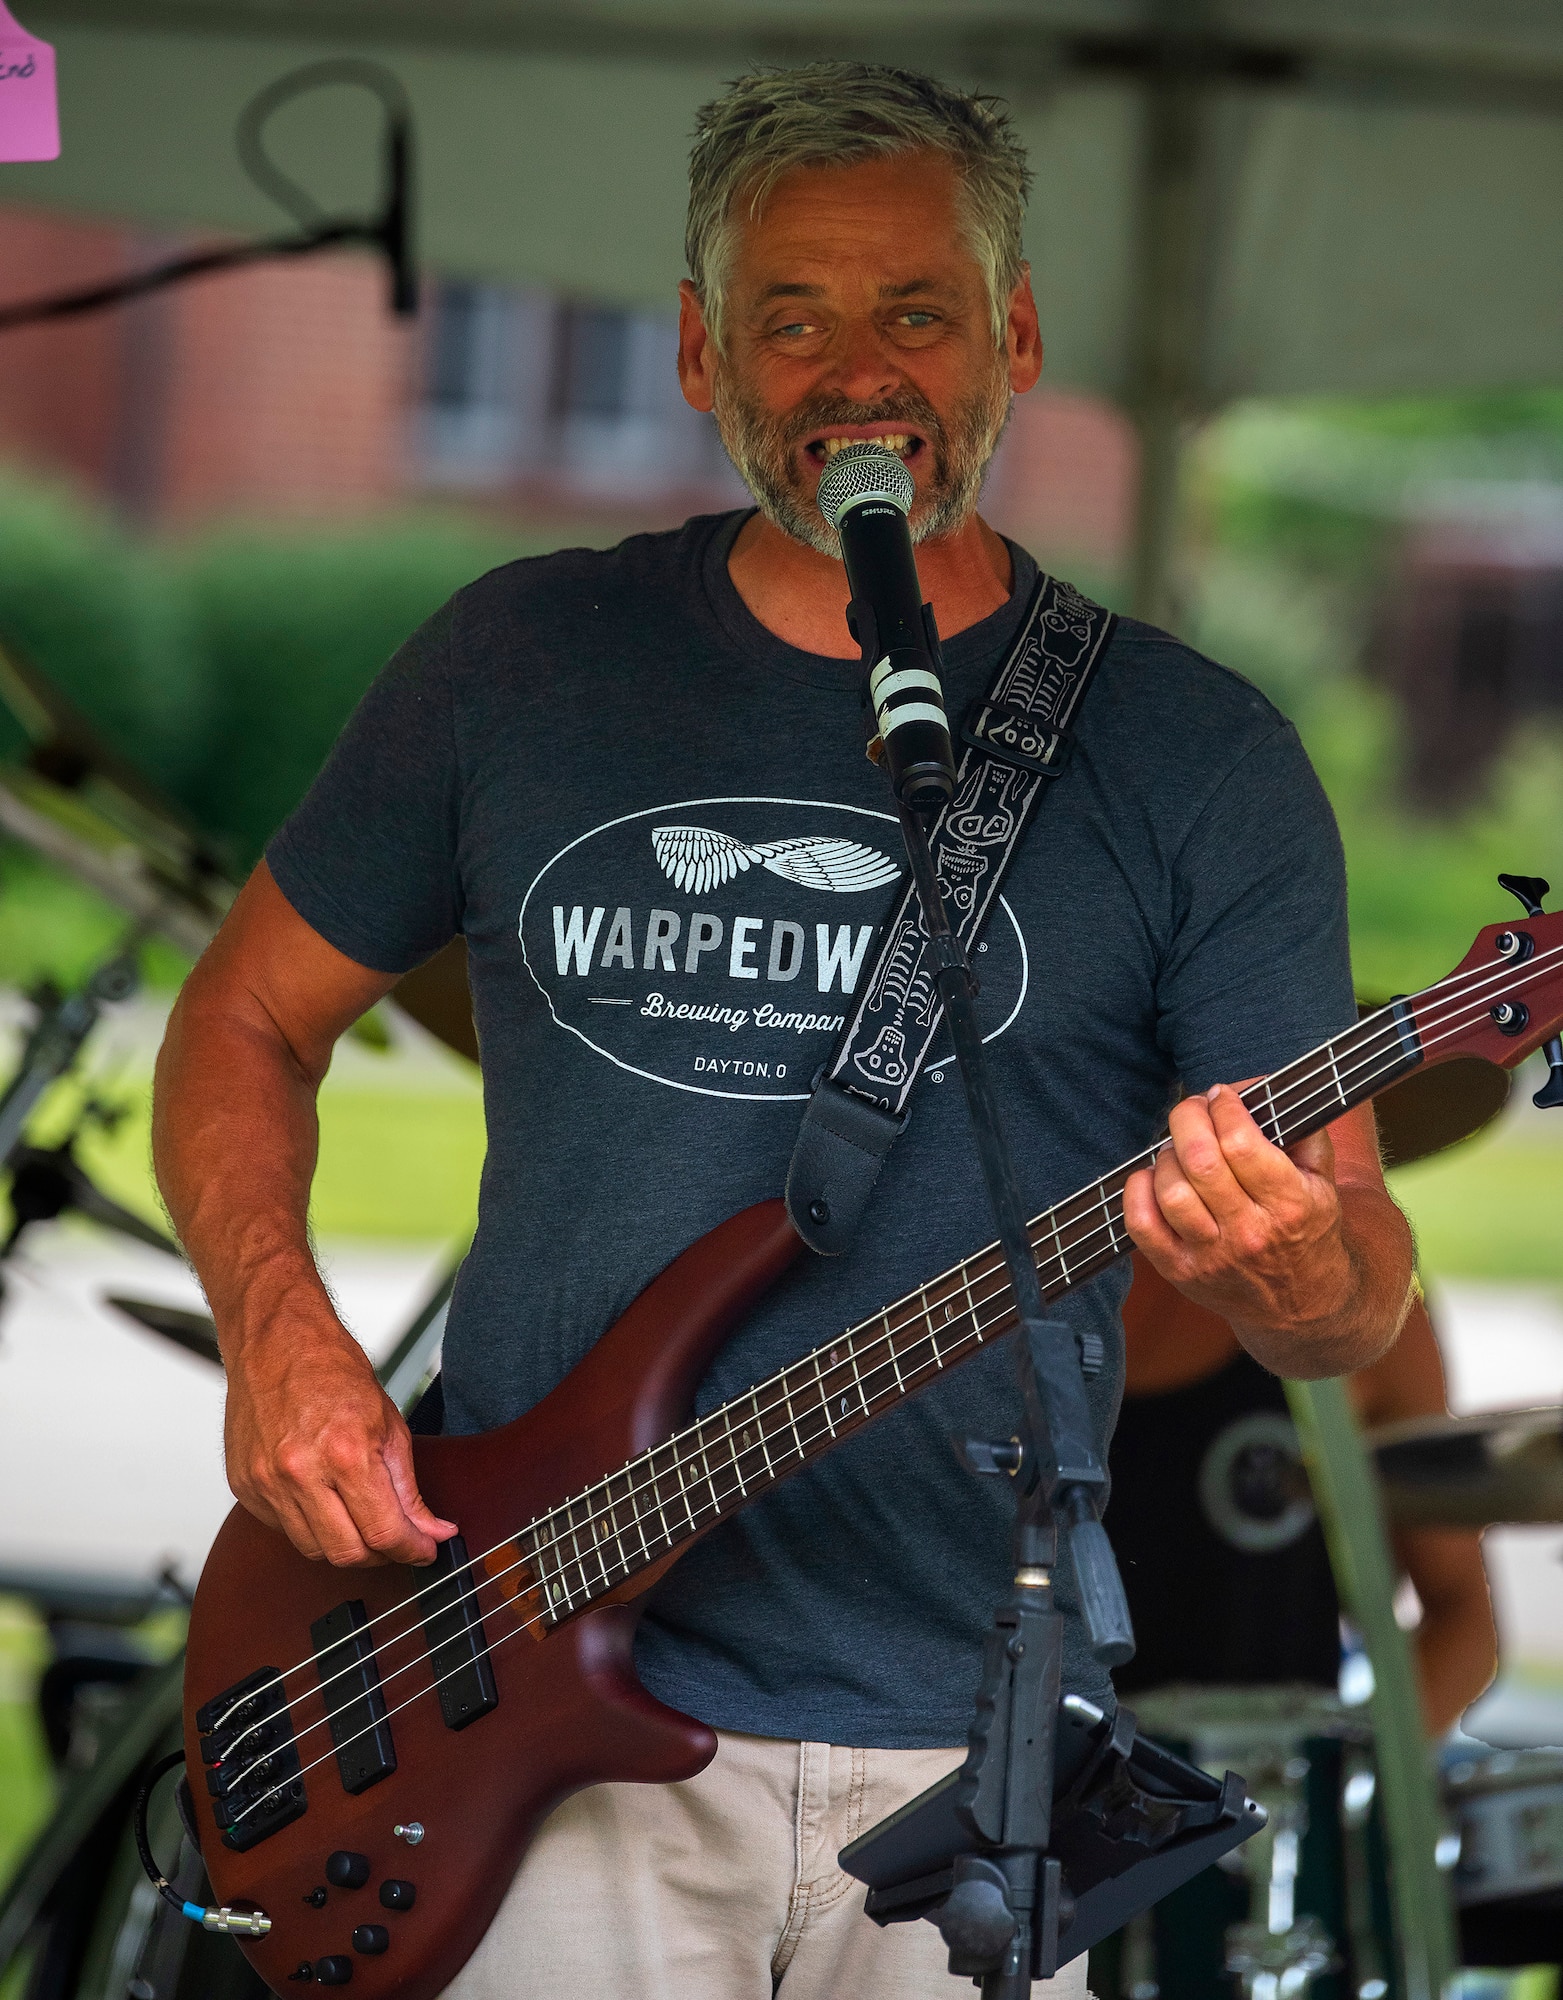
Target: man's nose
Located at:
point(864, 368)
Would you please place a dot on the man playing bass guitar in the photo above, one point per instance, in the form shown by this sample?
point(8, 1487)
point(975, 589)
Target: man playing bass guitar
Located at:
point(634, 781)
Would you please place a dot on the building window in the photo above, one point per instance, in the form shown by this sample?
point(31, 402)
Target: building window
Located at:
point(521, 389)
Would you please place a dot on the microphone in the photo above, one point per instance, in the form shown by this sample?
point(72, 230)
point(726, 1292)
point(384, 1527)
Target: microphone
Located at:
point(866, 495)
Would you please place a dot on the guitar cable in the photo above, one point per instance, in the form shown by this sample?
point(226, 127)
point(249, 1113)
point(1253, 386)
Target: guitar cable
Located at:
point(226, 1922)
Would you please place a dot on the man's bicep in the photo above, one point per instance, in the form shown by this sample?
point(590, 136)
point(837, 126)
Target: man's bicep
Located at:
point(268, 967)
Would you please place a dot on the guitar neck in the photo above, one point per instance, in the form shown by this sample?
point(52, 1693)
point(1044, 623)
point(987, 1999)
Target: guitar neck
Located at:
point(593, 1542)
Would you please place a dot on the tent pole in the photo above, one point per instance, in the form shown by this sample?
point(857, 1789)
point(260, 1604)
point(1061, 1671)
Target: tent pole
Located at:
point(1168, 327)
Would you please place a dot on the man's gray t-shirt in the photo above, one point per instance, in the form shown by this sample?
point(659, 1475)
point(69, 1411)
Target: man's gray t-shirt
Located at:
point(585, 763)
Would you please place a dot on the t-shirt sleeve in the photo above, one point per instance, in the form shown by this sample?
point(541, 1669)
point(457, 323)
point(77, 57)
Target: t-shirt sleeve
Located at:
point(1259, 967)
point(369, 858)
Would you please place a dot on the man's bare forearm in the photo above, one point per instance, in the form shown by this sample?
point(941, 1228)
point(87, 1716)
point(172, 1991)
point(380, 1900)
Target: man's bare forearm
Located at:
point(235, 1138)
point(1365, 1306)
point(313, 1445)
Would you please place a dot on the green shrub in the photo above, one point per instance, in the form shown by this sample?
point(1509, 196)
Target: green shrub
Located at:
point(293, 627)
point(98, 616)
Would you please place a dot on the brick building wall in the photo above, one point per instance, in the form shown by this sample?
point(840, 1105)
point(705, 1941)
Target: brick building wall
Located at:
point(287, 391)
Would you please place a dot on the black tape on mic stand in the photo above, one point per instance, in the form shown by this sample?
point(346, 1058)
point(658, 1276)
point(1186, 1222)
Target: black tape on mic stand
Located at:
point(980, 1847)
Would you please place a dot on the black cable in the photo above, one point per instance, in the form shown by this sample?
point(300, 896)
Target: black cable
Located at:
point(159, 1880)
point(248, 142)
point(226, 1922)
point(390, 232)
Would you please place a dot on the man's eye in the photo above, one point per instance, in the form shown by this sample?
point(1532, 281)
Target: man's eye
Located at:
point(796, 326)
point(919, 318)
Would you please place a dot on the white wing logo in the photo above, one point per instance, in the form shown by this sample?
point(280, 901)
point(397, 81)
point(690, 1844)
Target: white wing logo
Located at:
point(697, 858)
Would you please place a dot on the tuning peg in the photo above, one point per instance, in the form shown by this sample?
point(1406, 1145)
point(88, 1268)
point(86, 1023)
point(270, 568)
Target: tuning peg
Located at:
point(1550, 1095)
point(1528, 888)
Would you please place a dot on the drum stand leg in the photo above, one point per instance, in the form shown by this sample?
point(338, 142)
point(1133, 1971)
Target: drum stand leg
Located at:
point(1277, 1954)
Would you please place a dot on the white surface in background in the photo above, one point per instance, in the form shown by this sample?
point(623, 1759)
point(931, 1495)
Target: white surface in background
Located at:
point(1503, 1348)
point(110, 1436)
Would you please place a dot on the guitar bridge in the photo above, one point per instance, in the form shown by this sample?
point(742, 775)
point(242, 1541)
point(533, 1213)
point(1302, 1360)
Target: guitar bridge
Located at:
point(252, 1763)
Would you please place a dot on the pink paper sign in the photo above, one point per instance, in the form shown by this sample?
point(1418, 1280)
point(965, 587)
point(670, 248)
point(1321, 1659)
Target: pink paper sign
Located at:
point(29, 109)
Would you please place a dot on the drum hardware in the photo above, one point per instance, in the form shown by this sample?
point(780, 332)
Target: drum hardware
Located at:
point(1277, 1951)
point(1472, 1472)
point(1508, 1880)
point(1359, 1787)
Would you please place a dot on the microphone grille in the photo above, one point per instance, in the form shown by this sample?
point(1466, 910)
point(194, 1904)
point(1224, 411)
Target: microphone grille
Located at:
point(860, 472)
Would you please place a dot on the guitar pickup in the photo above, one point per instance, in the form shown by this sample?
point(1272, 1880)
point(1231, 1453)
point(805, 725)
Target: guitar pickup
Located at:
point(458, 1649)
point(251, 1760)
point(350, 1688)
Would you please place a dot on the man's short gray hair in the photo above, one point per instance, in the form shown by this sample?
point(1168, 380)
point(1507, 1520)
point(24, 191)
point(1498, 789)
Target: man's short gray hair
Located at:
point(834, 114)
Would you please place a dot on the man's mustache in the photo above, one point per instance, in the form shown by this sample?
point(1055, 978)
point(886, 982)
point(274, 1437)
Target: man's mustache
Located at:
point(912, 412)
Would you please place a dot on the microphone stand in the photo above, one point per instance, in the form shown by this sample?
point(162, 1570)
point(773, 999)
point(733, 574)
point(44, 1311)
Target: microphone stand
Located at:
point(982, 1853)
point(1002, 1918)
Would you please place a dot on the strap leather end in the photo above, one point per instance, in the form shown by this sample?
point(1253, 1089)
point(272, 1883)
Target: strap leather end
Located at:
point(842, 1144)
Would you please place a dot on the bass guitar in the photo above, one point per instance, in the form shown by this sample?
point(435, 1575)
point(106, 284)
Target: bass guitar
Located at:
point(371, 1750)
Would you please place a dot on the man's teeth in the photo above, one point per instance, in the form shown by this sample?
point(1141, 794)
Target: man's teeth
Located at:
point(897, 442)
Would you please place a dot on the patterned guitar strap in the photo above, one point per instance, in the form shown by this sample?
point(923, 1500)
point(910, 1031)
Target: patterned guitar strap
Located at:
point(1017, 739)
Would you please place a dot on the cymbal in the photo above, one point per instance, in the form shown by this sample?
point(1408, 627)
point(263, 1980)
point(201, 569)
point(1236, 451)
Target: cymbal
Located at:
point(1438, 1106)
point(194, 1332)
point(1472, 1472)
point(1283, 1712)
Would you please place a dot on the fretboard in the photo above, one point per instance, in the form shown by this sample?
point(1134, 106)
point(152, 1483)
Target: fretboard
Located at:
point(593, 1542)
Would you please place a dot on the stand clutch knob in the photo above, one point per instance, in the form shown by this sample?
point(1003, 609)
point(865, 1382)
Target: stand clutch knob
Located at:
point(975, 1919)
point(1102, 1601)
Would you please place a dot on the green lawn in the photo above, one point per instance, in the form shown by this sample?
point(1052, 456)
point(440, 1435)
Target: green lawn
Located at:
point(395, 1164)
point(1490, 1209)
point(25, 1783)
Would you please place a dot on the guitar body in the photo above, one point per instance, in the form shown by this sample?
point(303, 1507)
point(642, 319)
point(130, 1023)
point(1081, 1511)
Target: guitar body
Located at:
point(569, 1710)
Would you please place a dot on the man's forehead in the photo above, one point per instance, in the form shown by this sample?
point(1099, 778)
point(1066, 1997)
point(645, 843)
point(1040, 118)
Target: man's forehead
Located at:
point(889, 229)
point(889, 290)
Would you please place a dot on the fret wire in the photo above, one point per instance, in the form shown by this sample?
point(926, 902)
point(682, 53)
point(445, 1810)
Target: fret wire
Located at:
point(705, 1465)
point(792, 1415)
point(733, 1450)
point(683, 1488)
point(759, 1431)
point(824, 1398)
point(857, 1378)
point(933, 1340)
point(1299, 1091)
point(656, 1494)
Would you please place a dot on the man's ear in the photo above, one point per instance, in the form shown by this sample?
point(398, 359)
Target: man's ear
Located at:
point(1022, 336)
point(696, 350)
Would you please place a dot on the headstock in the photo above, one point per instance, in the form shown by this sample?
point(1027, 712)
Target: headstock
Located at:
point(1505, 997)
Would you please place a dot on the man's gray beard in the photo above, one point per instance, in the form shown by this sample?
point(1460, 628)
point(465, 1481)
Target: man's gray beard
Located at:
point(762, 449)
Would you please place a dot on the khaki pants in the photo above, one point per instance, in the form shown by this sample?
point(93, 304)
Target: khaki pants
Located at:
point(724, 1887)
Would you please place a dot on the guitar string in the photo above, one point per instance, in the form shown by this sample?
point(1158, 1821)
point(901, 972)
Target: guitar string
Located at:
point(974, 1338)
point(1391, 1027)
point(553, 1542)
point(552, 1545)
point(572, 1529)
point(930, 1371)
